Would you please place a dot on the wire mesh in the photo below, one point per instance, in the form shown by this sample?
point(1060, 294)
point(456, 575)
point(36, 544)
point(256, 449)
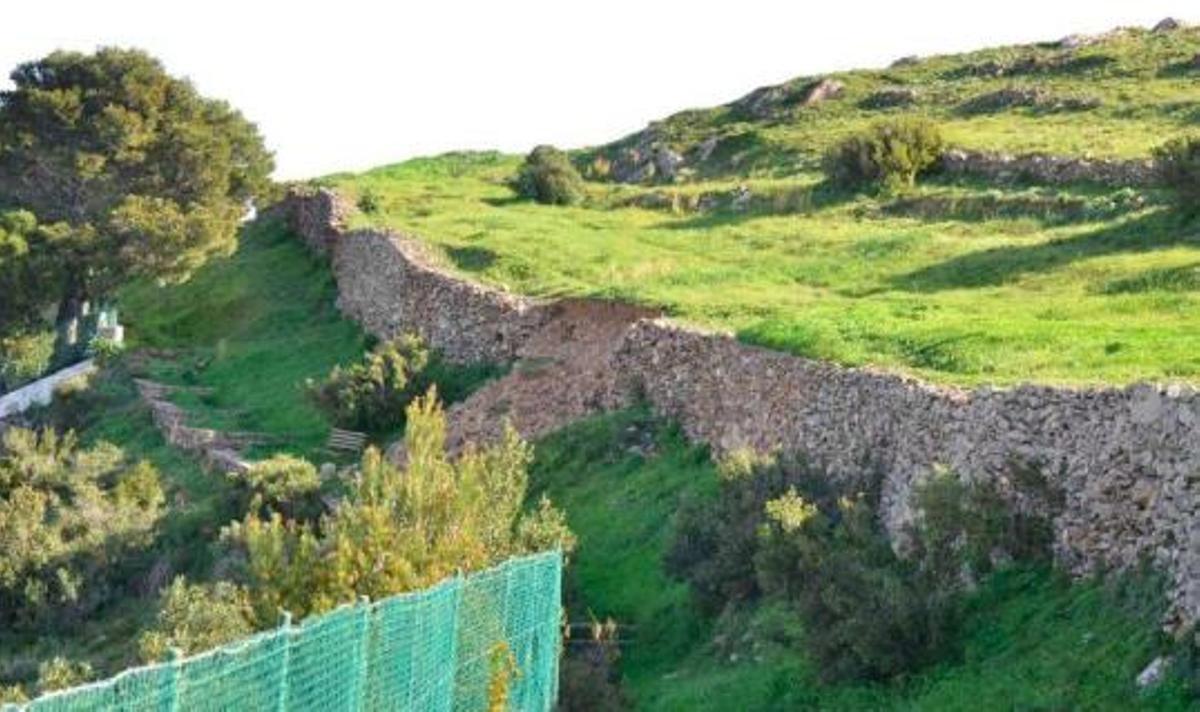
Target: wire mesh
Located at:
point(429, 650)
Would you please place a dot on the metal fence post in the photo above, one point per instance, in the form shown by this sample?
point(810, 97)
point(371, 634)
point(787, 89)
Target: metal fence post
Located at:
point(175, 667)
point(364, 644)
point(285, 660)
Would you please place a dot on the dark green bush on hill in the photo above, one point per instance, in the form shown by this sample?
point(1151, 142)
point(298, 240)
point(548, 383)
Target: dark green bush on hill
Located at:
point(890, 154)
point(1179, 168)
point(371, 395)
point(549, 177)
point(779, 530)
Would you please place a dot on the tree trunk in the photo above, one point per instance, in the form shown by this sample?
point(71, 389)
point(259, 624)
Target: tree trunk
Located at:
point(69, 326)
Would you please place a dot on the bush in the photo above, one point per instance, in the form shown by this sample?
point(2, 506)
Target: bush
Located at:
point(368, 201)
point(716, 539)
point(283, 483)
point(60, 673)
point(1179, 169)
point(399, 529)
point(24, 357)
point(549, 177)
point(72, 521)
point(868, 615)
point(194, 618)
point(372, 395)
point(890, 154)
point(778, 530)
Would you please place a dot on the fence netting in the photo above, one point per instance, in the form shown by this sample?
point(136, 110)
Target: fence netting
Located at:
point(436, 649)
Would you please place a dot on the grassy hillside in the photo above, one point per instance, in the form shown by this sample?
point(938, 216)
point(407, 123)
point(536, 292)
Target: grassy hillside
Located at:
point(959, 282)
point(1031, 640)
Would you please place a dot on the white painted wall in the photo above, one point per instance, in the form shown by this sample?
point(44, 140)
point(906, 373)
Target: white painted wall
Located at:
point(42, 391)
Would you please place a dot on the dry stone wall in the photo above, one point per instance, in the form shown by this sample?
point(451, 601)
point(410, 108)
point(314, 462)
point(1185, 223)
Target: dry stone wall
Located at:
point(1052, 170)
point(1123, 463)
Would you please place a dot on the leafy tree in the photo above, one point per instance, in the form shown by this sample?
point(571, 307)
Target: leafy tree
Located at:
point(399, 528)
point(549, 177)
point(132, 171)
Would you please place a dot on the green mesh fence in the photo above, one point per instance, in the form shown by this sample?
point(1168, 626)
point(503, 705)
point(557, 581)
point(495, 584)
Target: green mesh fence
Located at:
point(430, 650)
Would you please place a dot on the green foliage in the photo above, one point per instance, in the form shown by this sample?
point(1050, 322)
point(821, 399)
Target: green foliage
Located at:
point(60, 673)
point(193, 618)
point(717, 539)
point(399, 529)
point(891, 154)
point(1179, 167)
point(868, 615)
point(372, 395)
point(73, 521)
point(104, 350)
point(138, 174)
point(283, 483)
point(368, 201)
point(965, 528)
point(1029, 638)
point(549, 177)
point(778, 530)
point(24, 357)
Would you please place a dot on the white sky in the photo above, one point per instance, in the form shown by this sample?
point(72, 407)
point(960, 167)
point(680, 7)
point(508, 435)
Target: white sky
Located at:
point(349, 84)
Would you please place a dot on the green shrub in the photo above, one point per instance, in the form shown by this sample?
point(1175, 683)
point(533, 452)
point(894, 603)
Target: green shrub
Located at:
point(283, 483)
point(24, 357)
point(368, 201)
point(73, 522)
point(1179, 169)
point(778, 530)
point(549, 177)
point(372, 395)
point(193, 618)
point(716, 539)
point(868, 614)
point(398, 529)
point(59, 673)
point(890, 154)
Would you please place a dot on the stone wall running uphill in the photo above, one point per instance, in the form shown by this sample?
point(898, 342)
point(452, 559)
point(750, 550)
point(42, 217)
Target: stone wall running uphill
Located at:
point(1122, 464)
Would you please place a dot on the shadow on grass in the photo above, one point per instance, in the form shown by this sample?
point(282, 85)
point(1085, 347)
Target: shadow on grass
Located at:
point(798, 201)
point(472, 259)
point(1185, 278)
point(996, 266)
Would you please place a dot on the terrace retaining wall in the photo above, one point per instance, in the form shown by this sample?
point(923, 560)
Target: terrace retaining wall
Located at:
point(1124, 462)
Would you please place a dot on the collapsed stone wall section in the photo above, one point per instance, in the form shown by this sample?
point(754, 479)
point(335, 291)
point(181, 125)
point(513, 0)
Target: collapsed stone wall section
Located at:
point(1125, 462)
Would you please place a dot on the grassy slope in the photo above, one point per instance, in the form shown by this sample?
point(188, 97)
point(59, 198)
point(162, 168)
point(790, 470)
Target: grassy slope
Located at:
point(1108, 295)
point(1032, 641)
point(252, 327)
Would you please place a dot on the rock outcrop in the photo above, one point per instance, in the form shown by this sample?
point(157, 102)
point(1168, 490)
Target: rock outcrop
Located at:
point(1051, 170)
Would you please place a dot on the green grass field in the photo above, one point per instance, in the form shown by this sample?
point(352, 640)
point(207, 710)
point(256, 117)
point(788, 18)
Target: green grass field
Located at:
point(994, 284)
point(1032, 640)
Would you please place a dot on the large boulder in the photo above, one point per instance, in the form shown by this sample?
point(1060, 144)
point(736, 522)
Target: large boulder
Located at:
point(822, 90)
point(645, 158)
point(1169, 24)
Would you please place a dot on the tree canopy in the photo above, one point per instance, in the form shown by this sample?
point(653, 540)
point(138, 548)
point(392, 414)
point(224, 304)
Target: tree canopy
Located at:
point(126, 171)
